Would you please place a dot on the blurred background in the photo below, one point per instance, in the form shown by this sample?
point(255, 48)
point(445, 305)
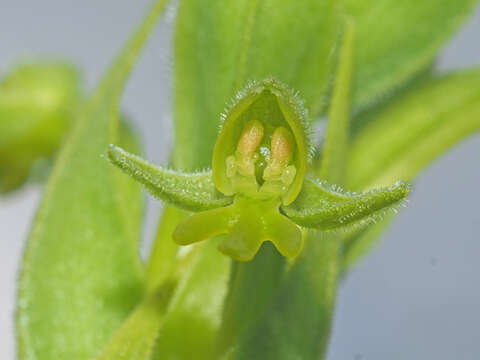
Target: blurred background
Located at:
point(416, 296)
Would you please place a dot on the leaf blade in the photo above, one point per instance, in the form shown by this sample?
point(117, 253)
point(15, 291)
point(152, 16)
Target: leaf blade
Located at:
point(219, 48)
point(417, 127)
point(197, 301)
point(79, 271)
point(135, 339)
point(335, 146)
point(396, 40)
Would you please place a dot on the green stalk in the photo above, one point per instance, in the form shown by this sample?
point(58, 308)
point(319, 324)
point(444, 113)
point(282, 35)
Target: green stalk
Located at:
point(162, 260)
point(272, 314)
point(252, 289)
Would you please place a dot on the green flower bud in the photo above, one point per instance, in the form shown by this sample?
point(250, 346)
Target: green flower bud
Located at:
point(37, 102)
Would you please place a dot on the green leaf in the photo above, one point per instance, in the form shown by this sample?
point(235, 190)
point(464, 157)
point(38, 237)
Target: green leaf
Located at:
point(37, 106)
point(404, 136)
point(192, 192)
point(135, 339)
point(81, 273)
point(195, 311)
point(132, 209)
point(219, 48)
point(397, 39)
point(327, 207)
point(335, 146)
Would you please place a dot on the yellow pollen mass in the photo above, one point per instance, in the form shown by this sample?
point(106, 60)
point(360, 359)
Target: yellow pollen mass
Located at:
point(282, 145)
point(250, 138)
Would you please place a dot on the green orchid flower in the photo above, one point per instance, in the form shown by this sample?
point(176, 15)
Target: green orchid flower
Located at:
point(257, 189)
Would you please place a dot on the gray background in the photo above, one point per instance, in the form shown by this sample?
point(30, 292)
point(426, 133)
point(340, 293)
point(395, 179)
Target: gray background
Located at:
point(415, 297)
